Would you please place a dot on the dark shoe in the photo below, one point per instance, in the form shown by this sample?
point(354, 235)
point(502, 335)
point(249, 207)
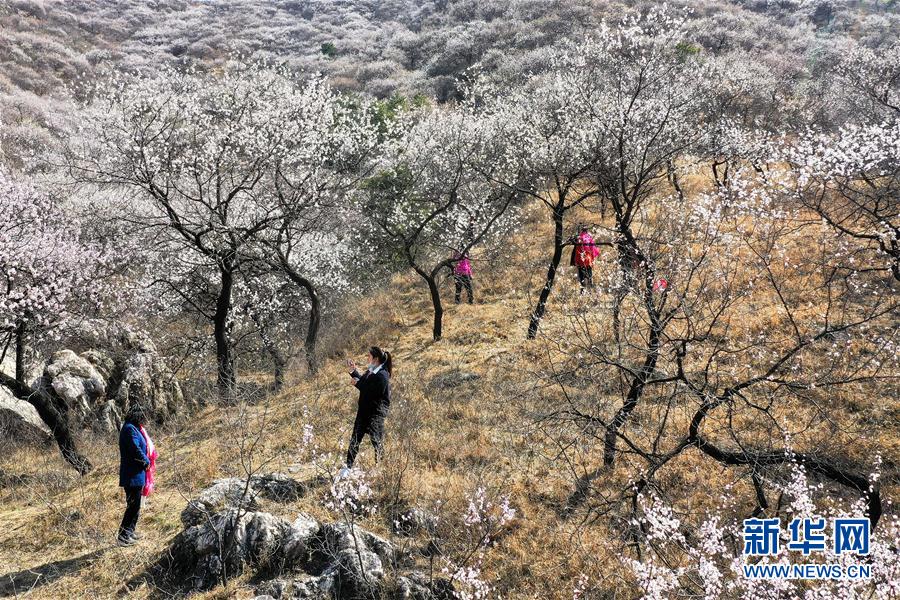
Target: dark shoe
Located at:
point(136, 536)
point(125, 541)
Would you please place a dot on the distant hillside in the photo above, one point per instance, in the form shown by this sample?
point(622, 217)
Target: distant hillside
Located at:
point(376, 47)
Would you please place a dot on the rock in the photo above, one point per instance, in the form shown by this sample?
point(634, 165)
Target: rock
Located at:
point(114, 337)
point(359, 574)
point(19, 420)
point(279, 487)
point(304, 586)
point(222, 494)
point(231, 539)
point(298, 548)
point(107, 368)
point(147, 380)
point(101, 360)
point(235, 492)
point(264, 540)
point(413, 521)
point(225, 532)
point(416, 586)
point(305, 525)
point(339, 537)
point(76, 382)
point(358, 556)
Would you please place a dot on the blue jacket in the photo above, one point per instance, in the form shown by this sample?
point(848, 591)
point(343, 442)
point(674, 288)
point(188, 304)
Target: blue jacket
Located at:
point(133, 461)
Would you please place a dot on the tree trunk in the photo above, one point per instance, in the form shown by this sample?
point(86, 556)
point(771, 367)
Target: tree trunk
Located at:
point(225, 378)
point(672, 176)
point(437, 329)
point(54, 419)
point(20, 352)
point(538, 313)
point(632, 398)
point(315, 315)
point(271, 347)
point(634, 265)
point(312, 331)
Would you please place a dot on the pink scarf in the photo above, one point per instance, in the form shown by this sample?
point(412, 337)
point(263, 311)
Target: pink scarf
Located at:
point(152, 454)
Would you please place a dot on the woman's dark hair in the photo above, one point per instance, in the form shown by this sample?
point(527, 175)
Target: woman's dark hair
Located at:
point(384, 357)
point(135, 415)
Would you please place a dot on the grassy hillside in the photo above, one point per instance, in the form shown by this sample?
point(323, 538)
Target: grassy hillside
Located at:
point(467, 413)
point(454, 426)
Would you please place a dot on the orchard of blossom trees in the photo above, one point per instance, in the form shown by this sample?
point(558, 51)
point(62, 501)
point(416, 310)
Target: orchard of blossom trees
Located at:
point(234, 210)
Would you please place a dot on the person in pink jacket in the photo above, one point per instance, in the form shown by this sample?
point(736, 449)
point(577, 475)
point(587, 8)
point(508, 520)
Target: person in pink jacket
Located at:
point(462, 274)
point(584, 253)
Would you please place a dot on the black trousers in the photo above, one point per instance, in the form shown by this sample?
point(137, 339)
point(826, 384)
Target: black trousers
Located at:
point(586, 277)
point(463, 281)
point(132, 510)
point(366, 424)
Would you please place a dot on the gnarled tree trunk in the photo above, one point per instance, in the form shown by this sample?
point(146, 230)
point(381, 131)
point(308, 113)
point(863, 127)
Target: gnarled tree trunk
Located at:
point(56, 420)
point(226, 378)
point(541, 307)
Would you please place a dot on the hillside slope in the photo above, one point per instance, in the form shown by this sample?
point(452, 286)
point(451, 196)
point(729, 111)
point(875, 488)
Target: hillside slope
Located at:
point(455, 426)
point(468, 413)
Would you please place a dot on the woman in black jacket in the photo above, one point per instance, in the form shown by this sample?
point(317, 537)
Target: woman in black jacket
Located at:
point(374, 387)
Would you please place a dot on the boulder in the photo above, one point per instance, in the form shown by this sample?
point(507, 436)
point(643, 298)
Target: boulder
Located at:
point(416, 586)
point(106, 368)
point(227, 543)
point(279, 487)
point(146, 379)
point(339, 536)
point(76, 382)
point(230, 492)
point(298, 559)
point(239, 493)
point(19, 420)
point(298, 546)
point(360, 574)
point(358, 558)
point(304, 586)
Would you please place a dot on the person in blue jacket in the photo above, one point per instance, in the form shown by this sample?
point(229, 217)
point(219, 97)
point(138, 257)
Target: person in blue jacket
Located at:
point(374, 387)
point(133, 465)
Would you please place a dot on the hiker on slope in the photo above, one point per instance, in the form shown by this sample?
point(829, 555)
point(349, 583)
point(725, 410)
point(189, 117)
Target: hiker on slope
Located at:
point(584, 253)
point(374, 387)
point(462, 276)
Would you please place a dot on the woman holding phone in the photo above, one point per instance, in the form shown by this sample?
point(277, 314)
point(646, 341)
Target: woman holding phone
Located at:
point(374, 386)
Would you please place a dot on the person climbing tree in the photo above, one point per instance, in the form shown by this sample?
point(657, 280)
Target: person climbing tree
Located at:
point(374, 401)
point(584, 253)
point(462, 275)
point(133, 465)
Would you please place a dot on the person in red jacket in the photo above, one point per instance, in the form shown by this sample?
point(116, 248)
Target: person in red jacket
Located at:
point(584, 253)
point(462, 275)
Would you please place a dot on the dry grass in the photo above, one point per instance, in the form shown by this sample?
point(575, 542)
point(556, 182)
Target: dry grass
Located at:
point(442, 443)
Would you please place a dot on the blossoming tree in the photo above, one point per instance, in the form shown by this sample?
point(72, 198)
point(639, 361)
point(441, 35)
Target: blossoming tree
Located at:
point(220, 165)
point(49, 276)
point(438, 191)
